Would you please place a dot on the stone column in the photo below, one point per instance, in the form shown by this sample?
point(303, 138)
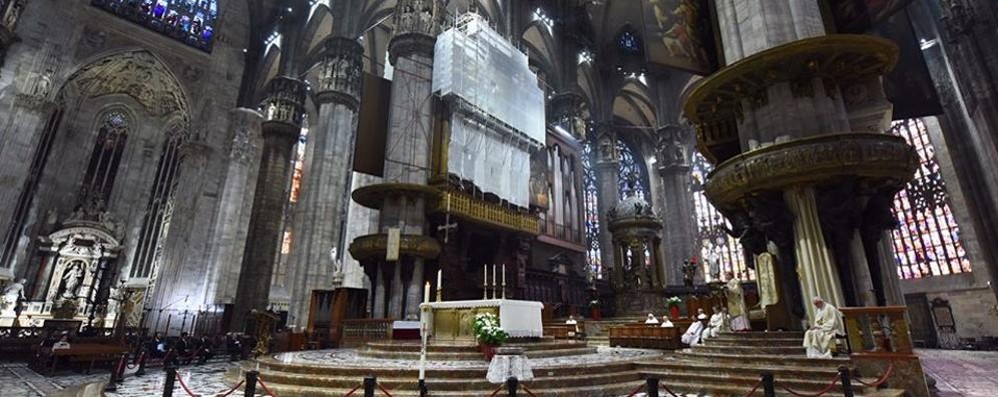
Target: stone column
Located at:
point(235, 204)
point(379, 293)
point(402, 196)
point(607, 169)
point(282, 111)
point(676, 201)
point(321, 212)
point(791, 103)
point(414, 291)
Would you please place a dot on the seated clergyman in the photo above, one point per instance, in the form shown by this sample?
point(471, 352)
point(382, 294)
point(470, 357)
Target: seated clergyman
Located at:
point(718, 323)
point(819, 340)
point(666, 323)
point(574, 324)
point(651, 319)
point(693, 333)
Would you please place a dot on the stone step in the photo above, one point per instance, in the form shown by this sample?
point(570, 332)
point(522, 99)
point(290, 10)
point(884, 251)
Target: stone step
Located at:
point(741, 350)
point(614, 389)
point(764, 335)
point(762, 359)
point(468, 347)
point(727, 340)
point(447, 384)
point(457, 372)
point(472, 356)
point(710, 379)
point(779, 371)
point(729, 390)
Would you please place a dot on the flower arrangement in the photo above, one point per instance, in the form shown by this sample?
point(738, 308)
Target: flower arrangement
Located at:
point(594, 303)
point(487, 330)
point(673, 301)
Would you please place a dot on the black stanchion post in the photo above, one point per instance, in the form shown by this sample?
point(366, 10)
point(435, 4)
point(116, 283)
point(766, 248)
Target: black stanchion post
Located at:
point(370, 383)
point(251, 377)
point(652, 387)
point(846, 382)
point(171, 378)
point(112, 384)
point(142, 365)
point(423, 390)
point(768, 385)
point(512, 384)
point(122, 367)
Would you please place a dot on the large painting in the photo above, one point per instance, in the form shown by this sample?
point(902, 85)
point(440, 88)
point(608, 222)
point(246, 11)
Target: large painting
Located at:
point(678, 34)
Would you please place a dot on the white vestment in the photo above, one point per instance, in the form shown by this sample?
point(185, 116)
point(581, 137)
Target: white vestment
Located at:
point(820, 339)
point(692, 335)
point(736, 306)
point(666, 323)
point(718, 323)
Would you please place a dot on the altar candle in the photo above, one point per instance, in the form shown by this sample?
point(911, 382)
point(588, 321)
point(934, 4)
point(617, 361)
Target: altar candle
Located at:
point(503, 274)
point(440, 273)
point(493, 275)
point(485, 276)
point(426, 292)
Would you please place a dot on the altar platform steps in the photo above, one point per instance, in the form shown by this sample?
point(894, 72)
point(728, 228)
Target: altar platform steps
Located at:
point(582, 380)
point(468, 352)
point(732, 364)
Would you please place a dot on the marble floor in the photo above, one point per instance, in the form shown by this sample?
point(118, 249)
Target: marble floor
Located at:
point(957, 373)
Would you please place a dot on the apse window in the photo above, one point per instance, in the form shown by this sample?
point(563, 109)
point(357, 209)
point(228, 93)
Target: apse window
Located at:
point(189, 21)
point(927, 239)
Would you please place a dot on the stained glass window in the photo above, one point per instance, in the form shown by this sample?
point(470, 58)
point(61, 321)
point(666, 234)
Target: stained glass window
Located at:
point(591, 198)
point(717, 248)
point(628, 43)
point(190, 21)
point(927, 242)
point(631, 165)
point(105, 157)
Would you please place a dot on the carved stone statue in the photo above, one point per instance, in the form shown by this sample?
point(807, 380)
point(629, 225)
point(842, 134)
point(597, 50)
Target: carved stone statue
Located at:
point(12, 294)
point(72, 278)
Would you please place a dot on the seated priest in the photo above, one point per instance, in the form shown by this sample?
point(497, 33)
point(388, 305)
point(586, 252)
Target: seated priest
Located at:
point(574, 324)
point(666, 323)
point(819, 340)
point(651, 319)
point(693, 333)
point(718, 323)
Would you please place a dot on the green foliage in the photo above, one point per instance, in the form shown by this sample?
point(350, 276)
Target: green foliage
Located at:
point(487, 330)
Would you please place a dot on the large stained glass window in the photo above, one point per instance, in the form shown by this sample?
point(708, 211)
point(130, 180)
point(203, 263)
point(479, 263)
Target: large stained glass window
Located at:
point(591, 198)
point(927, 240)
point(190, 21)
point(719, 252)
point(631, 166)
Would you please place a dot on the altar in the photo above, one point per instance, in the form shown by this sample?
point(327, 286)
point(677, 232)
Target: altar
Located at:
point(454, 320)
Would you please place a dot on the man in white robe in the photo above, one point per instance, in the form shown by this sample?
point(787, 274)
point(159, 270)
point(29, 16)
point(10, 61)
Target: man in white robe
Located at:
point(693, 333)
point(651, 319)
point(819, 340)
point(718, 323)
point(666, 323)
point(736, 304)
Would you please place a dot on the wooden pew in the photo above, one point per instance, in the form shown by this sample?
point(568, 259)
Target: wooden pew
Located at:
point(48, 359)
point(645, 336)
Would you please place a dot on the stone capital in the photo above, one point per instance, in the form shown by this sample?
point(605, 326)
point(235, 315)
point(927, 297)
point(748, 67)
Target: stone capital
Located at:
point(672, 147)
point(340, 71)
point(284, 107)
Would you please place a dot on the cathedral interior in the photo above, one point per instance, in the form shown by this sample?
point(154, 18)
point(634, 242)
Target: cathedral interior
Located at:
point(305, 186)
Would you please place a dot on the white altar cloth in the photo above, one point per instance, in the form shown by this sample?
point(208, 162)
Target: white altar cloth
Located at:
point(520, 319)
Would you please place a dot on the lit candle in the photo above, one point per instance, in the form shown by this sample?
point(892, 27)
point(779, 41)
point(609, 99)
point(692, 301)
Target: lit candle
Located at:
point(426, 292)
point(440, 273)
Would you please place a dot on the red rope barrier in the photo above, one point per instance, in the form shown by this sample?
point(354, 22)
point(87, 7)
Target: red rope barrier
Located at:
point(497, 390)
point(234, 388)
point(265, 388)
point(880, 381)
point(636, 390)
point(529, 393)
point(138, 360)
point(382, 388)
point(180, 378)
point(819, 394)
point(754, 388)
point(350, 393)
point(668, 390)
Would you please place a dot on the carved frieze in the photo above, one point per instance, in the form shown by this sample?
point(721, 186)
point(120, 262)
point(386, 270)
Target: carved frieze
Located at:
point(340, 71)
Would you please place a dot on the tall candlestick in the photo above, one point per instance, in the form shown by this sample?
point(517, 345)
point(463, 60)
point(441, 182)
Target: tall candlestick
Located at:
point(485, 282)
point(439, 284)
point(504, 281)
point(493, 281)
point(426, 292)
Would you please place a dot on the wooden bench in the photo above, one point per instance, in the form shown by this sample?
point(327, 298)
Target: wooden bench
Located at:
point(565, 331)
point(645, 336)
point(48, 359)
